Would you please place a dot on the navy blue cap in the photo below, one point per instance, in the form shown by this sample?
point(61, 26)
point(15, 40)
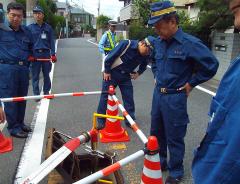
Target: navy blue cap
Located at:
point(38, 9)
point(160, 10)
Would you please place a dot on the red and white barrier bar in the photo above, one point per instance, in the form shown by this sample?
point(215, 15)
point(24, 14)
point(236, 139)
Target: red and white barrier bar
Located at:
point(110, 169)
point(131, 121)
point(57, 157)
point(44, 59)
point(50, 96)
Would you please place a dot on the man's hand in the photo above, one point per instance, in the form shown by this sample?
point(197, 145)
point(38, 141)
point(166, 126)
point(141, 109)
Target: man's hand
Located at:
point(187, 87)
point(54, 58)
point(106, 76)
point(31, 59)
point(134, 75)
point(2, 115)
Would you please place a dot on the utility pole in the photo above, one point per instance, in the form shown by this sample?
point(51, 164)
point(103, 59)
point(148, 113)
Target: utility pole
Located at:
point(30, 4)
point(98, 8)
point(66, 18)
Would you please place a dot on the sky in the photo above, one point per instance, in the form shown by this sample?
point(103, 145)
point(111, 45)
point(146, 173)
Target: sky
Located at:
point(110, 8)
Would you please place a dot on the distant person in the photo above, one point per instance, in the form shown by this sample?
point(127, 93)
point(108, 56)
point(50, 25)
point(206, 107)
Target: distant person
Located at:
point(181, 63)
point(119, 69)
point(217, 159)
point(15, 49)
point(43, 48)
point(108, 41)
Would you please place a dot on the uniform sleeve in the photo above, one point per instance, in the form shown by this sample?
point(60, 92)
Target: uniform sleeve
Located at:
point(143, 65)
point(52, 42)
point(205, 63)
point(114, 54)
point(102, 43)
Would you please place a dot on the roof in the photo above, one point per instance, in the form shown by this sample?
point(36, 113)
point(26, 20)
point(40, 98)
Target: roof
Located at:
point(78, 11)
point(61, 5)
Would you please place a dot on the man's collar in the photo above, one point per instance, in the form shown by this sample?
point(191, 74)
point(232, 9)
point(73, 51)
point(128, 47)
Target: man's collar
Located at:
point(179, 35)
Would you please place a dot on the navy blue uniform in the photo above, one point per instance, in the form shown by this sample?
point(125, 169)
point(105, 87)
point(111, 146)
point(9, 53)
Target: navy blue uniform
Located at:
point(120, 75)
point(180, 60)
point(15, 48)
point(217, 159)
point(43, 48)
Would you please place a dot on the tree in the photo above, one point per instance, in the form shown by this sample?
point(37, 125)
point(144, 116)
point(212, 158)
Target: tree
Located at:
point(102, 21)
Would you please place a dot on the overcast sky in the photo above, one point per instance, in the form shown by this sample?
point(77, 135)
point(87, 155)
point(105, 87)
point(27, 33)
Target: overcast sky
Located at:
point(110, 8)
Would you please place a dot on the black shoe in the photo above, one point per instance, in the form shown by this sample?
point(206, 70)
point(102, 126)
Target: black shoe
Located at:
point(37, 100)
point(20, 134)
point(26, 128)
point(171, 180)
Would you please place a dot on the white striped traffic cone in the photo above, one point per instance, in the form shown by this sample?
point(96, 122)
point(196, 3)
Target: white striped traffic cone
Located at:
point(152, 173)
point(113, 131)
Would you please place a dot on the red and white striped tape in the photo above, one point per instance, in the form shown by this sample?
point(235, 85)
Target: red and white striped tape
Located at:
point(50, 96)
point(56, 158)
point(131, 121)
point(110, 169)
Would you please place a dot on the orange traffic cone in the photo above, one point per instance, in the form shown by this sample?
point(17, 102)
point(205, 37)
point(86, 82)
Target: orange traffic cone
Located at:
point(152, 173)
point(5, 144)
point(113, 131)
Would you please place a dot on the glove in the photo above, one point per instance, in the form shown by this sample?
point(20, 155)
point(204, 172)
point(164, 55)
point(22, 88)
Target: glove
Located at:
point(31, 59)
point(54, 58)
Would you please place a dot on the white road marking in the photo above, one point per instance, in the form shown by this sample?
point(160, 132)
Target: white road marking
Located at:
point(31, 157)
point(90, 41)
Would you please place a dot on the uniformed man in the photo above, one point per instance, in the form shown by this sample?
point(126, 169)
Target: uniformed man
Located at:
point(181, 63)
point(43, 51)
point(119, 70)
point(217, 159)
point(108, 41)
point(15, 48)
point(3, 27)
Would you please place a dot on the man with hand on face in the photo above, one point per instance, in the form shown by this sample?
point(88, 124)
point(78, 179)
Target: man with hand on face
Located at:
point(15, 49)
point(217, 159)
point(181, 63)
point(43, 51)
point(119, 70)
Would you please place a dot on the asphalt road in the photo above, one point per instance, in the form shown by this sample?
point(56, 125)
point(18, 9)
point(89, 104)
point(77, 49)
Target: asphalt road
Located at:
point(78, 69)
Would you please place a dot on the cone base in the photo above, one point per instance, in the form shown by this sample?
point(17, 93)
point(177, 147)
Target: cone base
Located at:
point(6, 145)
point(107, 138)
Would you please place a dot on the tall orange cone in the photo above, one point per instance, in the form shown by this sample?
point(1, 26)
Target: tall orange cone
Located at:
point(5, 144)
point(152, 173)
point(113, 131)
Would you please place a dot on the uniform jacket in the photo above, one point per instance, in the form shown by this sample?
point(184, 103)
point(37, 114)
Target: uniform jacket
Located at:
point(104, 42)
point(131, 58)
point(46, 43)
point(183, 59)
point(217, 159)
point(15, 46)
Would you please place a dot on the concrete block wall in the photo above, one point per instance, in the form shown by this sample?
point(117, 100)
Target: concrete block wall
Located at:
point(225, 46)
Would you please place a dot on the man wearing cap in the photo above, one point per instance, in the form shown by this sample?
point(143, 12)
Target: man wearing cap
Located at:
point(108, 41)
point(181, 63)
point(43, 51)
point(119, 69)
point(217, 159)
point(15, 49)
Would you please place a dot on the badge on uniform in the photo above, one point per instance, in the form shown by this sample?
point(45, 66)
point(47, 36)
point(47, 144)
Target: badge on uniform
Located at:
point(43, 36)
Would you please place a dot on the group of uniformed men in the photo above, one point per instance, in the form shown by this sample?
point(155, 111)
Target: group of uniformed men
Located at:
point(179, 63)
point(22, 47)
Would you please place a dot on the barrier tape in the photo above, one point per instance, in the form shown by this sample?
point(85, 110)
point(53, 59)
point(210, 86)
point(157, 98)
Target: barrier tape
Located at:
point(57, 157)
point(110, 169)
point(50, 96)
point(131, 121)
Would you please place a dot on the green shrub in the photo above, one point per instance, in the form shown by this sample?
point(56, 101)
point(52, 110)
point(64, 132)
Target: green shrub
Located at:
point(138, 31)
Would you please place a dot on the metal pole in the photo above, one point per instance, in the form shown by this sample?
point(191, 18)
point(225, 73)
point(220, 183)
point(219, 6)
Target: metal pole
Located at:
point(67, 18)
point(30, 4)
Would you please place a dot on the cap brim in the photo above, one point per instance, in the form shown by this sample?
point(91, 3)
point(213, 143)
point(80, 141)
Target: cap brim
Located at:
point(153, 21)
point(4, 27)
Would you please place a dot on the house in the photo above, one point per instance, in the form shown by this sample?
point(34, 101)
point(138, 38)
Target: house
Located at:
point(129, 11)
point(61, 8)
